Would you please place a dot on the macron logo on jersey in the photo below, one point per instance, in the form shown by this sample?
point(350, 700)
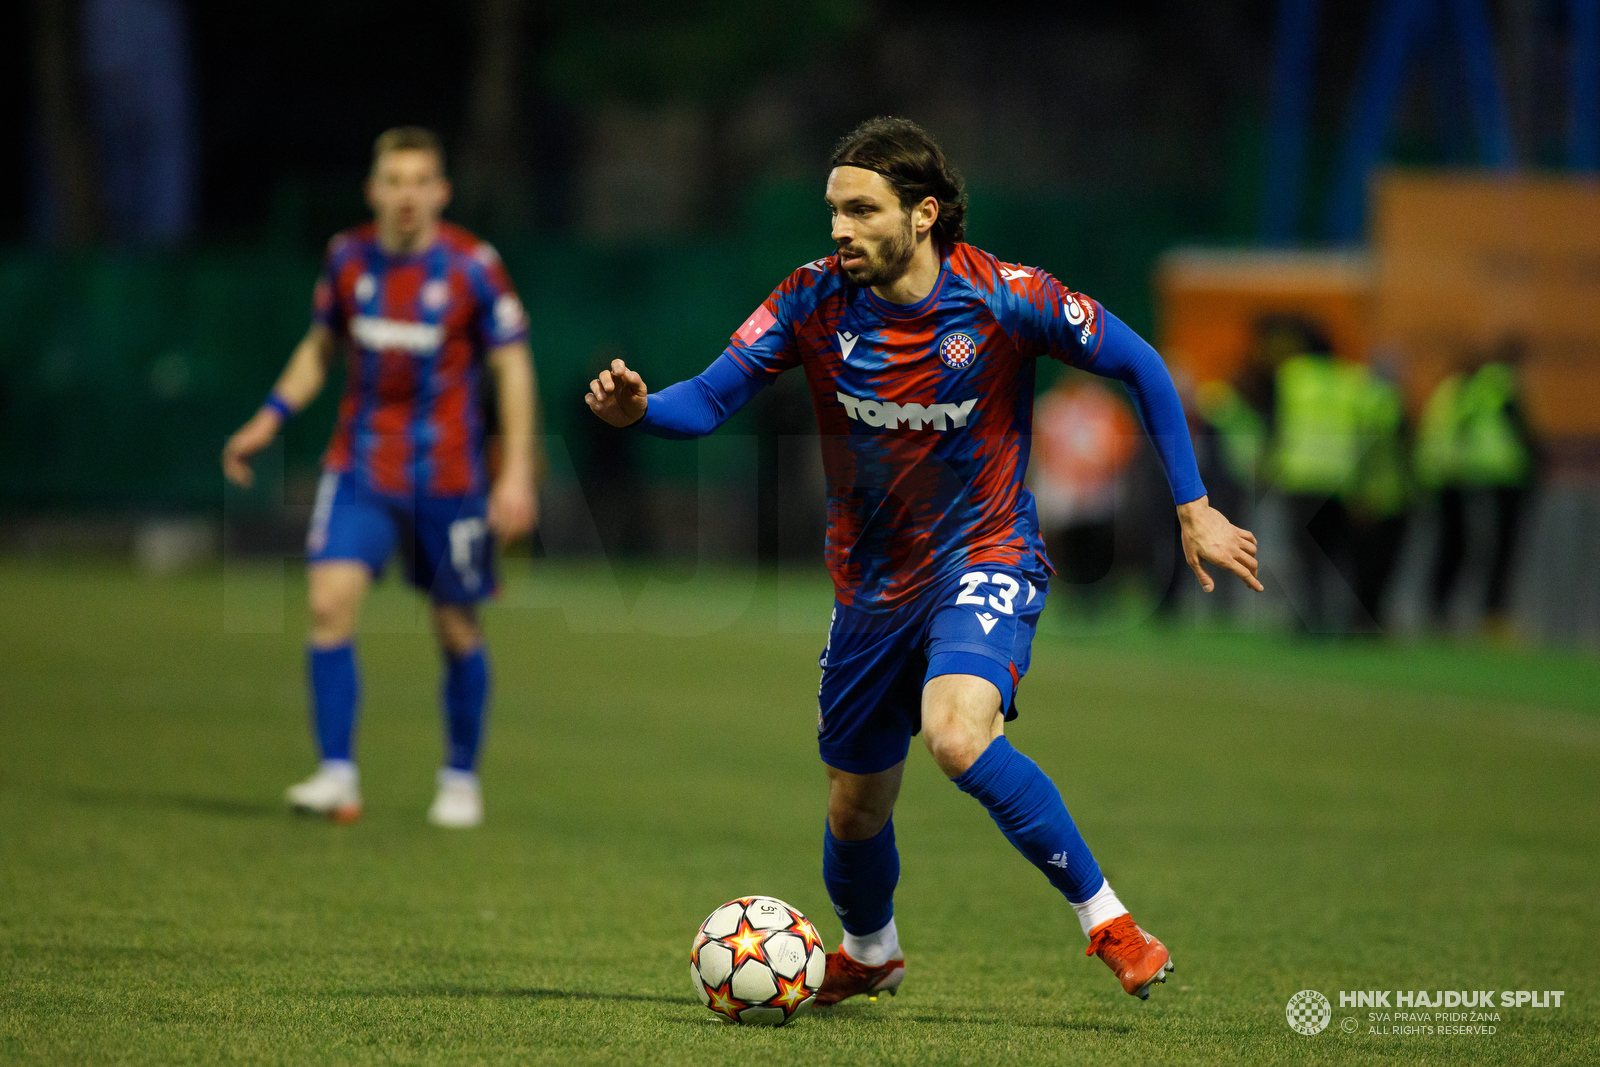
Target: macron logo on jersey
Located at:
point(888, 414)
point(383, 334)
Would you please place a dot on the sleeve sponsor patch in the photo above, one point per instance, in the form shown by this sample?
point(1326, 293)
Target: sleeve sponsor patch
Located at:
point(757, 324)
point(1078, 311)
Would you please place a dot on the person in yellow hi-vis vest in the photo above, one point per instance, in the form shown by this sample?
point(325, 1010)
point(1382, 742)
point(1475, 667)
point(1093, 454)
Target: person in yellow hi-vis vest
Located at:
point(1475, 444)
point(1316, 452)
point(1380, 500)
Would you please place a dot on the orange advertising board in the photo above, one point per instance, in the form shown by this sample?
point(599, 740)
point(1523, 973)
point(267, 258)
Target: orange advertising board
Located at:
point(1209, 300)
point(1457, 264)
point(1467, 260)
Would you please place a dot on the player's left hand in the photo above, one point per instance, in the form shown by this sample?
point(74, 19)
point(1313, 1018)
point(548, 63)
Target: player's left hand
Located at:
point(249, 439)
point(1208, 537)
point(513, 507)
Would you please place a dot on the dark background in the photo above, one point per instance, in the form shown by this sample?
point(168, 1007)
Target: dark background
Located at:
point(649, 174)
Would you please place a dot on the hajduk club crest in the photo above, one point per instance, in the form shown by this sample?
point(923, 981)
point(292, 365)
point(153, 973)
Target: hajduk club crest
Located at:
point(957, 350)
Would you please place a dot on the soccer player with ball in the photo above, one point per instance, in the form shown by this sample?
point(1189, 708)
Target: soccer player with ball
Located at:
point(422, 309)
point(919, 350)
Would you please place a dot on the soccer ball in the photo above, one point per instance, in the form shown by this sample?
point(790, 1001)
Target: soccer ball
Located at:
point(757, 962)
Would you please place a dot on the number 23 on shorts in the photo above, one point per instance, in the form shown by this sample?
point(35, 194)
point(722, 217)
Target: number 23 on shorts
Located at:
point(1002, 599)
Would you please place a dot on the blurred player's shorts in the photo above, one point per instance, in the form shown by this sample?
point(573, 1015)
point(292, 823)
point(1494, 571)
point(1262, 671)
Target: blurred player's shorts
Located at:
point(444, 540)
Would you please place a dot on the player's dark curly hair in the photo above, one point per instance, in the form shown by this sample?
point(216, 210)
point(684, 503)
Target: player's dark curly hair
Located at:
point(912, 162)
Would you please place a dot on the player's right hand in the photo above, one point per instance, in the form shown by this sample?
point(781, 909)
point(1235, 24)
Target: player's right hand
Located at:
point(618, 395)
point(1208, 537)
point(249, 439)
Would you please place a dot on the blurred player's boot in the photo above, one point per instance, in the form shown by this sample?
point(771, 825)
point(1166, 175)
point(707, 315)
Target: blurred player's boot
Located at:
point(459, 802)
point(334, 792)
point(1137, 959)
point(846, 978)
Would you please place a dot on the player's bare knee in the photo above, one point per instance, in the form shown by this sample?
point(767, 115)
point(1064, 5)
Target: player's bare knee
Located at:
point(850, 820)
point(859, 805)
point(332, 615)
point(955, 745)
point(457, 628)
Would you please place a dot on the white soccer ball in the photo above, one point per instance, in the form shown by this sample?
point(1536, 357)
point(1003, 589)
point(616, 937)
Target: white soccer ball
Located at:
point(757, 962)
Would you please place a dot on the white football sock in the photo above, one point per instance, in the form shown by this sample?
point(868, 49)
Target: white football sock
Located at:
point(1101, 907)
point(874, 949)
point(342, 768)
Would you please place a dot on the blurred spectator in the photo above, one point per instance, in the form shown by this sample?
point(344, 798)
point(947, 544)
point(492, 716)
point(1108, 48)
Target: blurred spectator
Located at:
point(1243, 412)
point(1315, 455)
point(136, 62)
point(1239, 432)
point(1085, 437)
point(1379, 501)
point(1476, 447)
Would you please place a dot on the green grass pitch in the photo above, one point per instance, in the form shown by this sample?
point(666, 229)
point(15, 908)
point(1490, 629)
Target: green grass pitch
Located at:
point(1284, 815)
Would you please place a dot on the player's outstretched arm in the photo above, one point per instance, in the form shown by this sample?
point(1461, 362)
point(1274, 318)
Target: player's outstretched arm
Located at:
point(302, 379)
point(618, 395)
point(1208, 537)
point(687, 409)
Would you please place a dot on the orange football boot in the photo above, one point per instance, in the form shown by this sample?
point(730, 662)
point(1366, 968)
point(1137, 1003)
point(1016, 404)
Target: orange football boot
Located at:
point(845, 978)
point(1137, 959)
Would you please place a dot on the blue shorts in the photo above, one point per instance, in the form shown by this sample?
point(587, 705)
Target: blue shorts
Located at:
point(870, 702)
point(444, 540)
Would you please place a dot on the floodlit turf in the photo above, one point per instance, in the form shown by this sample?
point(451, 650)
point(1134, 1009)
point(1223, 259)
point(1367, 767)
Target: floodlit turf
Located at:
point(1285, 816)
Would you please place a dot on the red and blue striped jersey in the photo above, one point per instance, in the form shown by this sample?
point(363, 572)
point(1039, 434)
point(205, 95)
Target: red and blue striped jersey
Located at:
point(925, 412)
point(415, 330)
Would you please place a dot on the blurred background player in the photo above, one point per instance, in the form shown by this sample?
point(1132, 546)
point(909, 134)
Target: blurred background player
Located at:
point(920, 350)
point(421, 308)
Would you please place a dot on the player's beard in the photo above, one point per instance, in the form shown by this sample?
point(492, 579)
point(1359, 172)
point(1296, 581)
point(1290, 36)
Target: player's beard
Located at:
point(888, 261)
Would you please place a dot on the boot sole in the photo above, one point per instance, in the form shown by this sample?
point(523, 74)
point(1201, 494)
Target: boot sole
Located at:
point(890, 984)
point(343, 815)
point(1143, 992)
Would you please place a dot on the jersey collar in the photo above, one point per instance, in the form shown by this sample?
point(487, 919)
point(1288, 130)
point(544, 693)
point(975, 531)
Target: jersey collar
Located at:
point(910, 311)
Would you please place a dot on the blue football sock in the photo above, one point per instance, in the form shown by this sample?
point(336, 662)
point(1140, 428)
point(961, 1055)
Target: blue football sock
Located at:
point(466, 690)
point(335, 694)
point(1027, 807)
point(861, 876)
